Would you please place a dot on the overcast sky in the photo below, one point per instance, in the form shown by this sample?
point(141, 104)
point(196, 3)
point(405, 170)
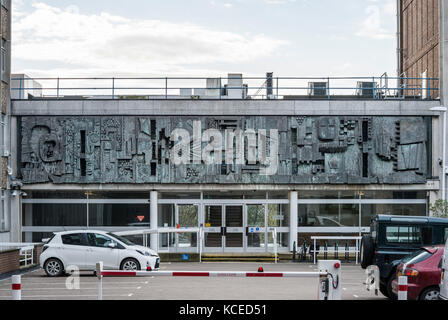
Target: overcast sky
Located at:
point(66, 38)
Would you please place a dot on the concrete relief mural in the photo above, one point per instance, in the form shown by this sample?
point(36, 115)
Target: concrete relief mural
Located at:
point(302, 150)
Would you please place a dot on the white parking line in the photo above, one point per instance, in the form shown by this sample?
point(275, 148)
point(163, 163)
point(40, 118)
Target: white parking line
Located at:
point(356, 296)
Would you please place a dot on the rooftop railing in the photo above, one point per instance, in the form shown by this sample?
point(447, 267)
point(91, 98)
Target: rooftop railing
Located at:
point(221, 88)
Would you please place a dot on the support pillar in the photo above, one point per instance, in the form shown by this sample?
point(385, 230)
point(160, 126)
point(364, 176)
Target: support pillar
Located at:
point(153, 221)
point(293, 219)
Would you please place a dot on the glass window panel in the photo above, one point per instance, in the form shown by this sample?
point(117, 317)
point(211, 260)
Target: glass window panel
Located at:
point(278, 195)
point(282, 240)
point(74, 239)
point(188, 215)
point(278, 215)
point(111, 215)
point(56, 195)
point(256, 240)
point(328, 194)
point(56, 214)
point(167, 240)
point(404, 234)
point(328, 215)
point(187, 240)
point(166, 215)
point(179, 195)
point(394, 194)
point(213, 216)
point(369, 211)
point(255, 215)
point(223, 195)
point(118, 195)
point(255, 195)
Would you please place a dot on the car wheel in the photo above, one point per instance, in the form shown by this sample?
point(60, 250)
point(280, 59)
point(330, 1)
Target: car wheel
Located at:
point(430, 294)
point(53, 267)
point(366, 251)
point(130, 264)
point(391, 294)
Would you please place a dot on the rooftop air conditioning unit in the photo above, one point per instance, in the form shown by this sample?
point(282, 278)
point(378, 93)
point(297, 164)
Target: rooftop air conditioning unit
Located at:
point(318, 89)
point(366, 89)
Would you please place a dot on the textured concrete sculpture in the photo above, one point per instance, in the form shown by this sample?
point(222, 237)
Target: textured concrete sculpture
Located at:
point(312, 150)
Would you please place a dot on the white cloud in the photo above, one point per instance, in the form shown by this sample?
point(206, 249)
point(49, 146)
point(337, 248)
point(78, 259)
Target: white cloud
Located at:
point(377, 16)
point(108, 44)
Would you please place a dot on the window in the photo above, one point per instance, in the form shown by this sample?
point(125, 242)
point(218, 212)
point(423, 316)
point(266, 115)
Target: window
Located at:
point(416, 257)
point(100, 240)
point(404, 234)
point(446, 235)
point(74, 239)
point(116, 214)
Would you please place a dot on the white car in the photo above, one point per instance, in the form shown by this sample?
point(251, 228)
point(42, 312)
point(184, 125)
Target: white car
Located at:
point(444, 283)
point(85, 248)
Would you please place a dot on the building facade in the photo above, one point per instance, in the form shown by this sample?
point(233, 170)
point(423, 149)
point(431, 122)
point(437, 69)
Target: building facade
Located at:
point(418, 43)
point(5, 116)
point(231, 162)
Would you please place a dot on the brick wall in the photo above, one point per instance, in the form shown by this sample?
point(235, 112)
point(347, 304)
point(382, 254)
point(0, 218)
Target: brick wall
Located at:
point(36, 254)
point(9, 261)
point(420, 40)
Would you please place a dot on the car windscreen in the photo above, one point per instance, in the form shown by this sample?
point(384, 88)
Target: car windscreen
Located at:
point(416, 257)
point(122, 239)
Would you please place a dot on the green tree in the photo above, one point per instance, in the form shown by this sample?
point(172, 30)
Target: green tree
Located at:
point(439, 208)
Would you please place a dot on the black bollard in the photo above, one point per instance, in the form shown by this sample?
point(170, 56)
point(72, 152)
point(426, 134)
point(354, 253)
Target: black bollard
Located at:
point(294, 252)
point(326, 251)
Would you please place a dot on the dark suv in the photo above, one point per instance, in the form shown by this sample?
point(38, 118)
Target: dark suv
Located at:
point(392, 238)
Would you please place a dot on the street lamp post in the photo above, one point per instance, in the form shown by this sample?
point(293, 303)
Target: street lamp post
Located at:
point(444, 167)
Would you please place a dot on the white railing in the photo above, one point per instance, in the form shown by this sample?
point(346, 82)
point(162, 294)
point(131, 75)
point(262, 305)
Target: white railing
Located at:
point(26, 251)
point(356, 249)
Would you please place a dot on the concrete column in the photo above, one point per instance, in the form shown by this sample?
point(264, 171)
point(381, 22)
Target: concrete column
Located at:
point(16, 214)
point(28, 216)
point(153, 221)
point(293, 219)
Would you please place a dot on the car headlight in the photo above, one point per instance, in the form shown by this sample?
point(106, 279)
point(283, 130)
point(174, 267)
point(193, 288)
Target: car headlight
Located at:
point(143, 253)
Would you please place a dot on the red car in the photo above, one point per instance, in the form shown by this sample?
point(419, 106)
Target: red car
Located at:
point(423, 269)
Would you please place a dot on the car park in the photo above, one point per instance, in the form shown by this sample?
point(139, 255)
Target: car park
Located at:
point(423, 269)
point(444, 275)
point(85, 248)
point(392, 238)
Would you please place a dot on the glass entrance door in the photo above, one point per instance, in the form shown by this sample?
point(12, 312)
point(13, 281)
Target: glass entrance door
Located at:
point(256, 228)
point(213, 229)
point(233, 228)
point(223, 228)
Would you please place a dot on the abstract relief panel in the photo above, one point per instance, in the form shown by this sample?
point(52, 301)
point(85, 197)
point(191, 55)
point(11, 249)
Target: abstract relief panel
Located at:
point(311, 150)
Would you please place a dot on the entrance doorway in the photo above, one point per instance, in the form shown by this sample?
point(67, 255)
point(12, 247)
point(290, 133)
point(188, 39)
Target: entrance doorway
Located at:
point(223, 228)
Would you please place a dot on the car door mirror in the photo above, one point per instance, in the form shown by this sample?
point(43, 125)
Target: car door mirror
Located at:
point(112, 245)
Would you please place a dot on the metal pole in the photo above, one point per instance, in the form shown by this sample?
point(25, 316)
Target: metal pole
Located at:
point(113, 88)
point(166, 88)
point(57, 92)
point(16, 287)
point(444, 168)
point(314, 251)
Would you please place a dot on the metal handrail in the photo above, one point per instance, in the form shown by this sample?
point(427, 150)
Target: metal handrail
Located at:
point(379, 88)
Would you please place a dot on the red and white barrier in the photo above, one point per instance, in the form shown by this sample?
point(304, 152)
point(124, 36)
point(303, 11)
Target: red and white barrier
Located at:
point(16, 287)
point(402, 288)
point(328, 274)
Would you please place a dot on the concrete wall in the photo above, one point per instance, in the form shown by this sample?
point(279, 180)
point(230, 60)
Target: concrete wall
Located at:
point(224, 107)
